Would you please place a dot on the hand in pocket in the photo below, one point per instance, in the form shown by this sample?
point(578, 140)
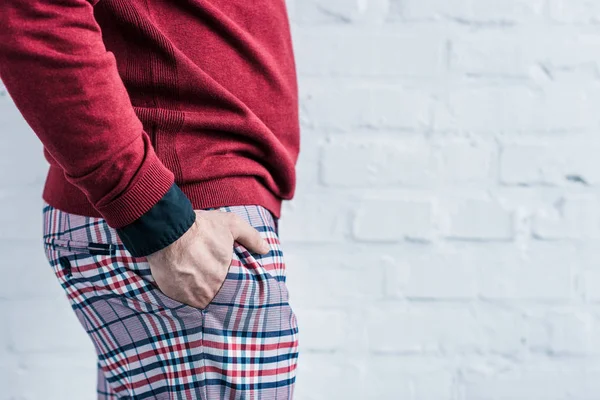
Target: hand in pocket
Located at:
point(192, 269)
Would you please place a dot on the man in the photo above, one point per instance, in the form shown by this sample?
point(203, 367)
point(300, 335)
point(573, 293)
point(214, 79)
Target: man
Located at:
point(171, 129)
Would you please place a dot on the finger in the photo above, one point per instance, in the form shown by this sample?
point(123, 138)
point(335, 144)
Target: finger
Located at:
point(247, 236)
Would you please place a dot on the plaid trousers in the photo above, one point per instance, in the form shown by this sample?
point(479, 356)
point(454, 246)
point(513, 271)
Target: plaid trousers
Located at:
point(243, 345)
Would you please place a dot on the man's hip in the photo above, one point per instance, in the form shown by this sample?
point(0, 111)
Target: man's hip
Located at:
point(244, 343)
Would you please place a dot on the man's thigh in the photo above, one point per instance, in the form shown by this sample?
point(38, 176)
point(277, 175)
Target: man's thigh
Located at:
point(243, 344)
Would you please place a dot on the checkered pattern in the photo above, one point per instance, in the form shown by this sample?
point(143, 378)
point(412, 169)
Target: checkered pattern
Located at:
point(243, 345)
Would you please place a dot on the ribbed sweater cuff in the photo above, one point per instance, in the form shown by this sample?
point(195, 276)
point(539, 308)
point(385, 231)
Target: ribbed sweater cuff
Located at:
point(148, 189)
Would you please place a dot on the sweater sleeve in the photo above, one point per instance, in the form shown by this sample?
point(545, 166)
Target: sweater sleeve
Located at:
point(55, 67)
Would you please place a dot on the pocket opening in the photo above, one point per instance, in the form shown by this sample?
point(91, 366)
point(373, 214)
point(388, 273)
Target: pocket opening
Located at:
point(221, 288)
point(91, 248)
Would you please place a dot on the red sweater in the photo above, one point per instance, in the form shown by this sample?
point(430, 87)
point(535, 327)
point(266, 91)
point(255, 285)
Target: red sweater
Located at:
point(129, 96)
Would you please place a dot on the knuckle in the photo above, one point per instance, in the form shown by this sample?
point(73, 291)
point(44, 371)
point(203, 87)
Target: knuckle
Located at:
point(231, 217)
point(236, 220)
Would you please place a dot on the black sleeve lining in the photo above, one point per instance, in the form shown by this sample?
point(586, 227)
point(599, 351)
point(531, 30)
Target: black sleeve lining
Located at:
point(160, 226)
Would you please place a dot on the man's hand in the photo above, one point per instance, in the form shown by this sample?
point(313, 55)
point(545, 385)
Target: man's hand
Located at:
point(193, 268)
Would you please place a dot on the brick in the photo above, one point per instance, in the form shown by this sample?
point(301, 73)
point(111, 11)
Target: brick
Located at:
point(336, 276)
point(346, 107)
point(326, 52)
point(491, 53)
point(318, 372)
point(565, 332)
point(419, 53)
point(472, 10)
point(477, 219)
point(334, 107)
point(322, 330)
point(465, 162)
point(590, 282)
point(429, 328)
point(385, 162)
point(330, 11)
point(400, 109)
point(413, 378)
point(522, 53)
point(517, 109)
point(502, 330)
point(331, 51)
point(307, 165)
point(430, 274)
point(574, 11)
point(570, 217)
point(377, 163)
point(402, 329)
point(543, 379)
point(544, 271)
point(337, 12)
point(393, 220)
point(312, 219)
point(551, 162)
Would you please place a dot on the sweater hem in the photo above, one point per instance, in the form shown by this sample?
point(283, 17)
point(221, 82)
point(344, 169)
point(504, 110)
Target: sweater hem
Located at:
point(214, 193)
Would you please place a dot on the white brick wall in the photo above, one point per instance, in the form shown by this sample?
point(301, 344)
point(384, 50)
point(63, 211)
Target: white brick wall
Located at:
point(443, 242)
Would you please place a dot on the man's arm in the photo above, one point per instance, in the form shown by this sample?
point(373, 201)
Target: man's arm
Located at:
point(66, 85)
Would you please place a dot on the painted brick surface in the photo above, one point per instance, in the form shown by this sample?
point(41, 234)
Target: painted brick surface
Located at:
point(443, 242)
